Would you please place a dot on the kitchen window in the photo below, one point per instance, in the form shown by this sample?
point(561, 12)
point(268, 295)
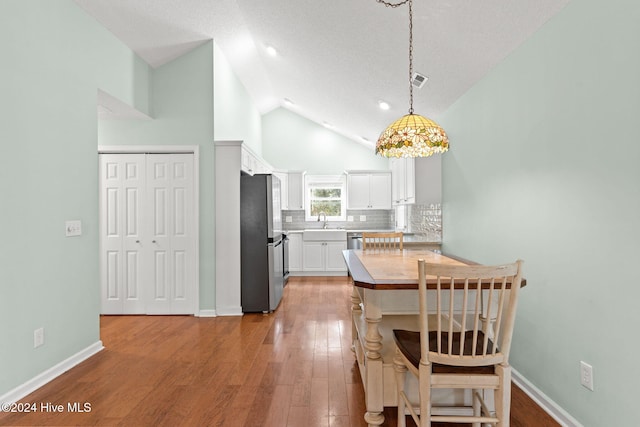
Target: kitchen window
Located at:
point(325, 194)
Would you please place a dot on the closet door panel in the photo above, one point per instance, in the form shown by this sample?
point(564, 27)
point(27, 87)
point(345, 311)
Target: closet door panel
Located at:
point(183, 235)
point(122, 183)
point(171, 183)
point(158, 187)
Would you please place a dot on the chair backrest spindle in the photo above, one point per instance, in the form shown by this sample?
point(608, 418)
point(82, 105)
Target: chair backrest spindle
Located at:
point(382, 241)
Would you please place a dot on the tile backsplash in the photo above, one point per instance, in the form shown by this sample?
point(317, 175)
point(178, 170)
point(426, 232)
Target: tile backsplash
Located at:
point(426, 220)
point(376, 219)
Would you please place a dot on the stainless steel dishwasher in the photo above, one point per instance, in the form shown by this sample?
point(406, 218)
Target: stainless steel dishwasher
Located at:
point(354, 240)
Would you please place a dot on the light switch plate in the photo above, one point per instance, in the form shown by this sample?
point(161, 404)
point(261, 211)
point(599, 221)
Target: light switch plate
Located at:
point(288, 218)
point(350, 218)
point(73, 228)
point(586, 375)
point(38, 337)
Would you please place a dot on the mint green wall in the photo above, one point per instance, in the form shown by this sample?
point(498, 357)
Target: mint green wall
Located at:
point(182, 93)
point(53, 61)
point(135, 90)
point(543, 166)
point(236, 117)
point(292, 142)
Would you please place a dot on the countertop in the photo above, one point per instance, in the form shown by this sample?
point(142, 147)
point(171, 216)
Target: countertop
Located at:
point(409, 239)
point(348, 230)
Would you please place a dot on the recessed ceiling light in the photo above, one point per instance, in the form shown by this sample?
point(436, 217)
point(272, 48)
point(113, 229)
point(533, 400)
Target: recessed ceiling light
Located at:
point(271, 50)
point(288, 102)
point(383, 105)
point(327, 125)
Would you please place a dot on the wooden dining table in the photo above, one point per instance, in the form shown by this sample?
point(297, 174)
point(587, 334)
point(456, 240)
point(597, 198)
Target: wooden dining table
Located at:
point(385, 297)
point(392, 269)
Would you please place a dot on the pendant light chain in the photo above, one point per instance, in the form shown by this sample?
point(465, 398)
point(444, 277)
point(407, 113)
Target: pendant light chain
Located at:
point(410, 56)
point(412, 135)
point(394, 5)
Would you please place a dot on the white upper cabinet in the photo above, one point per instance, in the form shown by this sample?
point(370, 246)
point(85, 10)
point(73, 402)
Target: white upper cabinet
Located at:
point(252, 164)
point(404, 181)
point(292, 190)
point(416, 180)
point(358, 191)
point(380, 190)
point(284, 189)
point(368, 190)
point(396, 173)
point(295, 186)
point(248, 161)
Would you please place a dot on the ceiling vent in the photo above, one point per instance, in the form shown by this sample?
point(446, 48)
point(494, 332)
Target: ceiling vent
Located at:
point(418, 80)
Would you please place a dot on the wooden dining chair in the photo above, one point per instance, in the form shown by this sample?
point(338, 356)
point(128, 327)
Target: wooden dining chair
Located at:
point(463, 345)
point(381, 241)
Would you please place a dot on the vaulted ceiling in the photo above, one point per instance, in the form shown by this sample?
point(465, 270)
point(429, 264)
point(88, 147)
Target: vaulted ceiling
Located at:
point(336, 59)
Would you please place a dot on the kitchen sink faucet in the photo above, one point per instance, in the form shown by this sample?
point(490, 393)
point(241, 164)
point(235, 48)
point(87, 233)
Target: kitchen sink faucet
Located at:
point(324, 225)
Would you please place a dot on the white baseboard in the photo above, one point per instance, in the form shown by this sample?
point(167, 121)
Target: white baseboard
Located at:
point(207, 313)
point(229, 311)
point(549, 406)
point(38, 381)
point(317, 273)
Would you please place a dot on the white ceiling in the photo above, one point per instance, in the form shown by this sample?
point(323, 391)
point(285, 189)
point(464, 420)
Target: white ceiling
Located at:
point(336, 58)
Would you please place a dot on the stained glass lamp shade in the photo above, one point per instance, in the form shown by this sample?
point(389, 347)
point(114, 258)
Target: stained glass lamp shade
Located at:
point(412, 135)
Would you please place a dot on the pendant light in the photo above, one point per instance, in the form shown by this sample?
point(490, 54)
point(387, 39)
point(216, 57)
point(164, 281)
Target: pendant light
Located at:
point(412, 135)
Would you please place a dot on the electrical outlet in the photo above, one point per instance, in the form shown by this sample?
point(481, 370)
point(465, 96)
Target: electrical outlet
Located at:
point(363, 218)
point(38, 337)
point(586, 375)
point(288, 218)
point(349, 218)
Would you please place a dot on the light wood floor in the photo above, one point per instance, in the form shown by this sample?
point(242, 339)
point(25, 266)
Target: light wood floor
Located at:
point(291, 368)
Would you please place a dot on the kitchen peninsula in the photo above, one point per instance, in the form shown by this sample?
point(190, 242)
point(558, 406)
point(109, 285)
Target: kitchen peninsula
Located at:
point(384, 298)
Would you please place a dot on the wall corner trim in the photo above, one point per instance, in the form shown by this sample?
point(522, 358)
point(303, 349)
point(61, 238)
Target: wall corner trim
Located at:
point(43, 378)
point(548, 405)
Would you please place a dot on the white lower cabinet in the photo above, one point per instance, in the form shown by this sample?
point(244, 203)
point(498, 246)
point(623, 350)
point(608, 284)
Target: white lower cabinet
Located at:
point(295, 252)
point(322, 256)
point(335, 259)
point(313, 256)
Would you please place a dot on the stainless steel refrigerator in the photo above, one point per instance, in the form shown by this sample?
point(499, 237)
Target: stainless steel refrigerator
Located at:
point(261, 247)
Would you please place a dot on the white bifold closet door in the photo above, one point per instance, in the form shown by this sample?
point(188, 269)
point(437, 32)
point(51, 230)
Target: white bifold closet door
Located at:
point(147, 238)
